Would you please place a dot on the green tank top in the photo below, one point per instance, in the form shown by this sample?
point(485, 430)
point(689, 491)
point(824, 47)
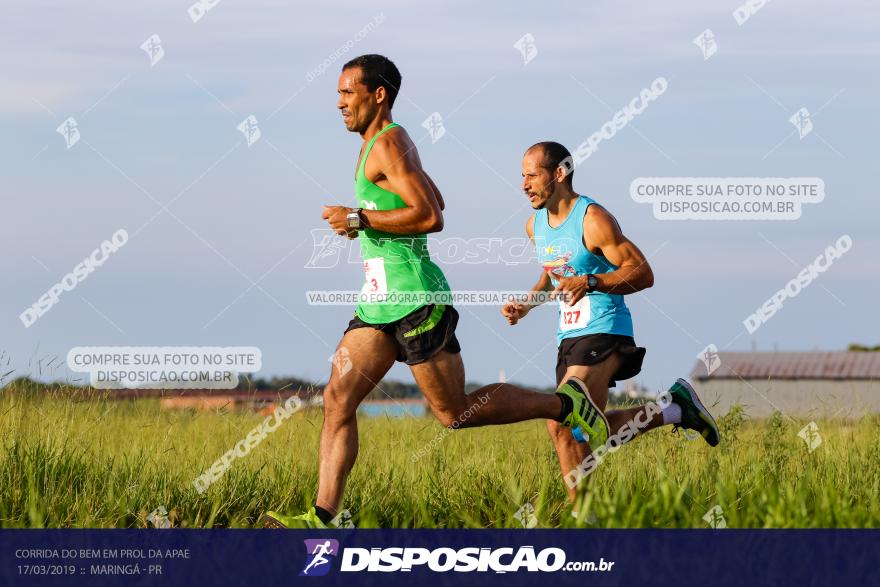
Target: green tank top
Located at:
point(394, 264)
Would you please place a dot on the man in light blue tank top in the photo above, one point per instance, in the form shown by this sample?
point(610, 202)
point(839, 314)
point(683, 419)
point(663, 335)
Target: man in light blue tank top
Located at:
point(589, 266)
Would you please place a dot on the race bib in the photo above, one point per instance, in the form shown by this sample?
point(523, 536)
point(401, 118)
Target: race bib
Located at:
point(576, 316)
point(374, 273)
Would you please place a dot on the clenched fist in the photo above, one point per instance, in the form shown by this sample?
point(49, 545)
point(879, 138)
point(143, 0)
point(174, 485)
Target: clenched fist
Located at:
point(514, 311)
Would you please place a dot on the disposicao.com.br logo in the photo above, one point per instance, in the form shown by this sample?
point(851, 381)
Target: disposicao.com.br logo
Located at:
point(442, 560)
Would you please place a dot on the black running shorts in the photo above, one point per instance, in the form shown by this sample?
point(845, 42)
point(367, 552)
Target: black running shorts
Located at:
point(592, 349)
point(421, 334)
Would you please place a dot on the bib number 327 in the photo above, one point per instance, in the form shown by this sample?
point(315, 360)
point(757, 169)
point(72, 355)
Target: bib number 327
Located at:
point(576, 316)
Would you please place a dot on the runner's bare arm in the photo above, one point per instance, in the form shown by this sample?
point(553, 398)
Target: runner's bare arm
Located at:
point(395, 155)
point(602, 234)
point(398, 160)
point(437, 193)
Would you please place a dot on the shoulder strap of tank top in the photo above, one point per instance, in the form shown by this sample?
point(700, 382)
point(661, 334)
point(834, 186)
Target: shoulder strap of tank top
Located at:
point(370, 146)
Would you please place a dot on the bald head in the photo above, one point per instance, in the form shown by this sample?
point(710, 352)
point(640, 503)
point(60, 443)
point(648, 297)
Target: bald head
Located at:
point(555, 155)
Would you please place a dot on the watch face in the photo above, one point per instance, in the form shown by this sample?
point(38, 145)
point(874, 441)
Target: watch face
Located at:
point(354, 221)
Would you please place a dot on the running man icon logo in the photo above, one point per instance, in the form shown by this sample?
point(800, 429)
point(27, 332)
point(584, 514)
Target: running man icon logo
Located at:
point(810, 435)
point(250, 129)
point(526, 516)
point(159, 518)
point(715, 518)
point(710, 358)
point(526, 47)
point(153, 48)
point(70, 131)
point(802, 122)
point(318, 553)
point(341, 359)
point(706, 43)
point(327, 249)
point(434, 125)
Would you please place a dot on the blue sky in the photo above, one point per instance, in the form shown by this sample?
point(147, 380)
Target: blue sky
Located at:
point(240, 215)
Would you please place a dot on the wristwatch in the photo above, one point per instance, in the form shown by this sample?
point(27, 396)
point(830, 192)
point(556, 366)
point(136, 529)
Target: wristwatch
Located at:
point(592, 282)
point(356, 220)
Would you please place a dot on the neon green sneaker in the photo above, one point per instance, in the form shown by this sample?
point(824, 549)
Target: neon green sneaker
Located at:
point(586, 420)
point(307, 520)
point(694, 416)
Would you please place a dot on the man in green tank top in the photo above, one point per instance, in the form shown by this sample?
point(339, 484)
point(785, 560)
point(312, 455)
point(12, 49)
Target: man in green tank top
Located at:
point(399, 318)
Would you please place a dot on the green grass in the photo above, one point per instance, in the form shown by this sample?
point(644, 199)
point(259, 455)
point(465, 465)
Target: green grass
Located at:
point(66, 463)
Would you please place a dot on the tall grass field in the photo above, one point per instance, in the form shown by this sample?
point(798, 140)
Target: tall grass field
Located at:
point(108, 464)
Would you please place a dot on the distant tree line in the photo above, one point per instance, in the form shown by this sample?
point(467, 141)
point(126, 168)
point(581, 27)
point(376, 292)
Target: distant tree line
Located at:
point(387, 388)
point(862, 348)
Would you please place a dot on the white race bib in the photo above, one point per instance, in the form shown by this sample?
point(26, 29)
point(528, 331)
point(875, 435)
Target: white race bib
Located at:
point(576, 316)
point(374, 273)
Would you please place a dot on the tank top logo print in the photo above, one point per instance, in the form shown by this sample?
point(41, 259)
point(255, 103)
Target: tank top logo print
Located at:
point(556, 256)
point(556, 260)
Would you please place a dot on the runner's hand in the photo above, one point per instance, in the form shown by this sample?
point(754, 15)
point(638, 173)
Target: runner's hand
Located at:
point(336, 217)
point(570, 289)
point(514, 311)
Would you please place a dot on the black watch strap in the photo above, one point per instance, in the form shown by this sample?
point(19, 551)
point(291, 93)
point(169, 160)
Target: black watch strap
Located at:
point(592, 282)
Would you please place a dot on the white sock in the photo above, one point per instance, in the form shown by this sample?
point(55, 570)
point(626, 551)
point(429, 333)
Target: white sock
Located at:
point(672, 414)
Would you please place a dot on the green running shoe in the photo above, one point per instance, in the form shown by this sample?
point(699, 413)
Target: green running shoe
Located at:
point(694, 416)
point(586, 420)
point(307, 520)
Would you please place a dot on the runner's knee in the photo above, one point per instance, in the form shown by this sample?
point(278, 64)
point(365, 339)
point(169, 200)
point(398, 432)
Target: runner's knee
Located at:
point(338, 406)
point(455, 416)
point(448, 418)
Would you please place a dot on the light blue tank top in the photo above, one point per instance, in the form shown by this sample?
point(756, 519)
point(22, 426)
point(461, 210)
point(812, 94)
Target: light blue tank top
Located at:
point(562, 250)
